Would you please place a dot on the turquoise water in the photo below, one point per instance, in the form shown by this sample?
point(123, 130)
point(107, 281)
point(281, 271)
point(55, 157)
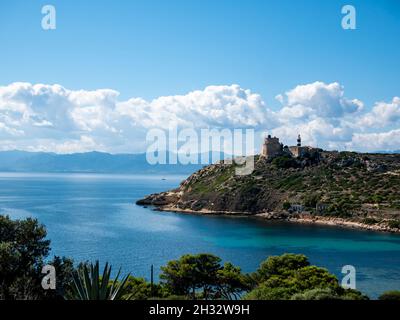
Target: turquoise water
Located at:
point(92, 217)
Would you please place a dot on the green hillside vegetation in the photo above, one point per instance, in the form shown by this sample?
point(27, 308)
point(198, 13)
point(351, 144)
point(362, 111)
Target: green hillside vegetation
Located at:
point(354, 186)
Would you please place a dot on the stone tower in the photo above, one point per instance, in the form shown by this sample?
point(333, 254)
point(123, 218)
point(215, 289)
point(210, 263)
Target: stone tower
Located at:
point(299, 141)
point(271, 147)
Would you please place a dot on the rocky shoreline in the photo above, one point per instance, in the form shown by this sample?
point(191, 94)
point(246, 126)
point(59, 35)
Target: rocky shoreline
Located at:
point(276, 216)
point(340, 222)
point(342, 189)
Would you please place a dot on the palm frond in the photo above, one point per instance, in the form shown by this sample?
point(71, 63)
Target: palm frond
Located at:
point(89, 285)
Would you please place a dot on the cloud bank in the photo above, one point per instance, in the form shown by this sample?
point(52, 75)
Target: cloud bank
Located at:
point(40, 117)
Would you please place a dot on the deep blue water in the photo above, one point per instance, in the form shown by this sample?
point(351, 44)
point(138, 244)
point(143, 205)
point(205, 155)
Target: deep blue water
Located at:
point(91, 217)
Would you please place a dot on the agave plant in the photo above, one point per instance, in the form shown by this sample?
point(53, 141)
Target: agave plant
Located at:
point(89, 285)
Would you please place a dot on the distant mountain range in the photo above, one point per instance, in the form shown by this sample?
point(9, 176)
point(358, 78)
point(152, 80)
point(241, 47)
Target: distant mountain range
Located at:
point(90, 162)
point(389, 152)
point(94, 162)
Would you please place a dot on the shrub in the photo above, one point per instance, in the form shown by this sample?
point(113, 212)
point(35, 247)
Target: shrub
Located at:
point(290, 276)
point(311, 200)
point(263, 292)
point(286, 205)
point(316, 294)
point(284, 162)
point(395, 224)
point(140, 289)
point(390, 295)
point(370, 221)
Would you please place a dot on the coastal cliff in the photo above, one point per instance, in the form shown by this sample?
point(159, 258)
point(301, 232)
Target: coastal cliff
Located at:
point(338, 188)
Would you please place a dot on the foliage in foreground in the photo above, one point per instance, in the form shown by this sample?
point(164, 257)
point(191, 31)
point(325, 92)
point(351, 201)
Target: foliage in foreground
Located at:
point(24, 250)
point(390, 295)
point(89, 285)
point(291, 277)
point(202, 276)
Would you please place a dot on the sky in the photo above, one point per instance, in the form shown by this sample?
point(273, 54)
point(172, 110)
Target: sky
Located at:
point(112, 70)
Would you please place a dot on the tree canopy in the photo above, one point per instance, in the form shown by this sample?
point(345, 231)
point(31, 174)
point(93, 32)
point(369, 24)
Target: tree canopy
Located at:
point(23, 249)
point(203, 276)
point(291, 276)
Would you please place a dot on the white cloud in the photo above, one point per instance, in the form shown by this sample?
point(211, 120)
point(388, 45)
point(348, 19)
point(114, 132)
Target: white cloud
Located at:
point(381, 141)
point(320, 112)
point(60, 118)
point(317, 132)
point(317, 100)
point(220, 106)
point(382, 115)
point(53, 118)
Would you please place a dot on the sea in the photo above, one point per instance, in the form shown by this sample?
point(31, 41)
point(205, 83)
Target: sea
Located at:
point(92, 217)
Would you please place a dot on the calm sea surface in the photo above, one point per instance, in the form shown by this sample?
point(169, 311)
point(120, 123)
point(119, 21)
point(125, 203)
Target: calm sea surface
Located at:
point(91, 217)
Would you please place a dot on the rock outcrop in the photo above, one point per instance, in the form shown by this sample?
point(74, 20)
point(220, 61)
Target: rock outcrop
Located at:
point(358, 188)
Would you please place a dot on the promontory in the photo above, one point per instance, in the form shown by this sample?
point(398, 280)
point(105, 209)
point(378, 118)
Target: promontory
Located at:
point(297, 183)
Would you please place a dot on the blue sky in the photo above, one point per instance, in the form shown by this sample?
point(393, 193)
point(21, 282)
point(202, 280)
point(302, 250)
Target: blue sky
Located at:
point(150, 49)
point(153, 48)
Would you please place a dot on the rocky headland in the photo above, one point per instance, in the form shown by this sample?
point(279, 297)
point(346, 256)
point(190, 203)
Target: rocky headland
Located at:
point(337, 188)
